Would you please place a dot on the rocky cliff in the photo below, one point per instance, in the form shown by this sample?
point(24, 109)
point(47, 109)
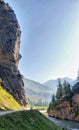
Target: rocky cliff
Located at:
point(66, 110)
point(9, 53)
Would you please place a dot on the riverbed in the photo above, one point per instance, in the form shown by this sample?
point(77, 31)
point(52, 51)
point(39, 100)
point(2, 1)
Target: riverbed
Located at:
point(65, 123)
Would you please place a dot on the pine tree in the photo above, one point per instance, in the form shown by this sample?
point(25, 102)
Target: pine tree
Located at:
point(67, 92)
point(53, 99)
point(59, 93)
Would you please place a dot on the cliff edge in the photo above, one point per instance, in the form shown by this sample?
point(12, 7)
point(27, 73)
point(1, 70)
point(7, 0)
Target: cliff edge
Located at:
point(9, 53)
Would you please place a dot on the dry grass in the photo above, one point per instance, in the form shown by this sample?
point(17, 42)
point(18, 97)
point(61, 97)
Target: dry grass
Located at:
point(7, 101)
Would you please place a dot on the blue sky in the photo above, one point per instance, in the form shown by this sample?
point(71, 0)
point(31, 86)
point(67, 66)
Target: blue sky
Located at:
point(50, 38)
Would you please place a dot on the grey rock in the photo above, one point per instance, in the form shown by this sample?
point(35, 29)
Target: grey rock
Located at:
point(9, 53)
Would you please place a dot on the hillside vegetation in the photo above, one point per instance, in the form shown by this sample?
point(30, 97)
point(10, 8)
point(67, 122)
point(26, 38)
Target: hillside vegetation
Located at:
point(26, 120)
point(65, 104)
point(37, 93)
point(7, 101)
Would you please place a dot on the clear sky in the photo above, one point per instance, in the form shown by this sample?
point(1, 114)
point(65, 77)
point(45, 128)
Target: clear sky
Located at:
point(50, 38)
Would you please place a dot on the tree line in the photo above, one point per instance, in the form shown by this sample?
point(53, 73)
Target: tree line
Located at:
point(64, 92)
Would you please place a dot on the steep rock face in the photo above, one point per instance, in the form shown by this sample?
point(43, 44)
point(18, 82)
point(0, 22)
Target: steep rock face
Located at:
point(61, 111)
point(9, 53)
point(65, 110)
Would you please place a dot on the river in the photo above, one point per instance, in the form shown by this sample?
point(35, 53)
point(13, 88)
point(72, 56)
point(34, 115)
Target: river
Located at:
point(71, 125)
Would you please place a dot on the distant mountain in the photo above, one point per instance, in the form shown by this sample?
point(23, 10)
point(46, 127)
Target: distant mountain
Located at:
point(37, 92)
point(53, 83)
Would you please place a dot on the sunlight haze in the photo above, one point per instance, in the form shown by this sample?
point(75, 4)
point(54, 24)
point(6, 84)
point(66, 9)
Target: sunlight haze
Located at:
point(49, 39)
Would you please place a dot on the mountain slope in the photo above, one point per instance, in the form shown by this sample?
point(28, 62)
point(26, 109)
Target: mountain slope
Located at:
point(53, 83)
point(36, 91)
point(7, 101)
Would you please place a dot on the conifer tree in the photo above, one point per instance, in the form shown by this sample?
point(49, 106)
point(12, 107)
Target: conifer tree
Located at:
point(67, 92)
point(59, 93)
point(53, 99)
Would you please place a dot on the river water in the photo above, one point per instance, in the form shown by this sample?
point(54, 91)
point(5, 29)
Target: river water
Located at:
point(65, 123)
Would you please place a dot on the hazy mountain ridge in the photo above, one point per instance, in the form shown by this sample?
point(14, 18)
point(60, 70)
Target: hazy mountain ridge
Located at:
point(37, 91)
point(53, 83)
